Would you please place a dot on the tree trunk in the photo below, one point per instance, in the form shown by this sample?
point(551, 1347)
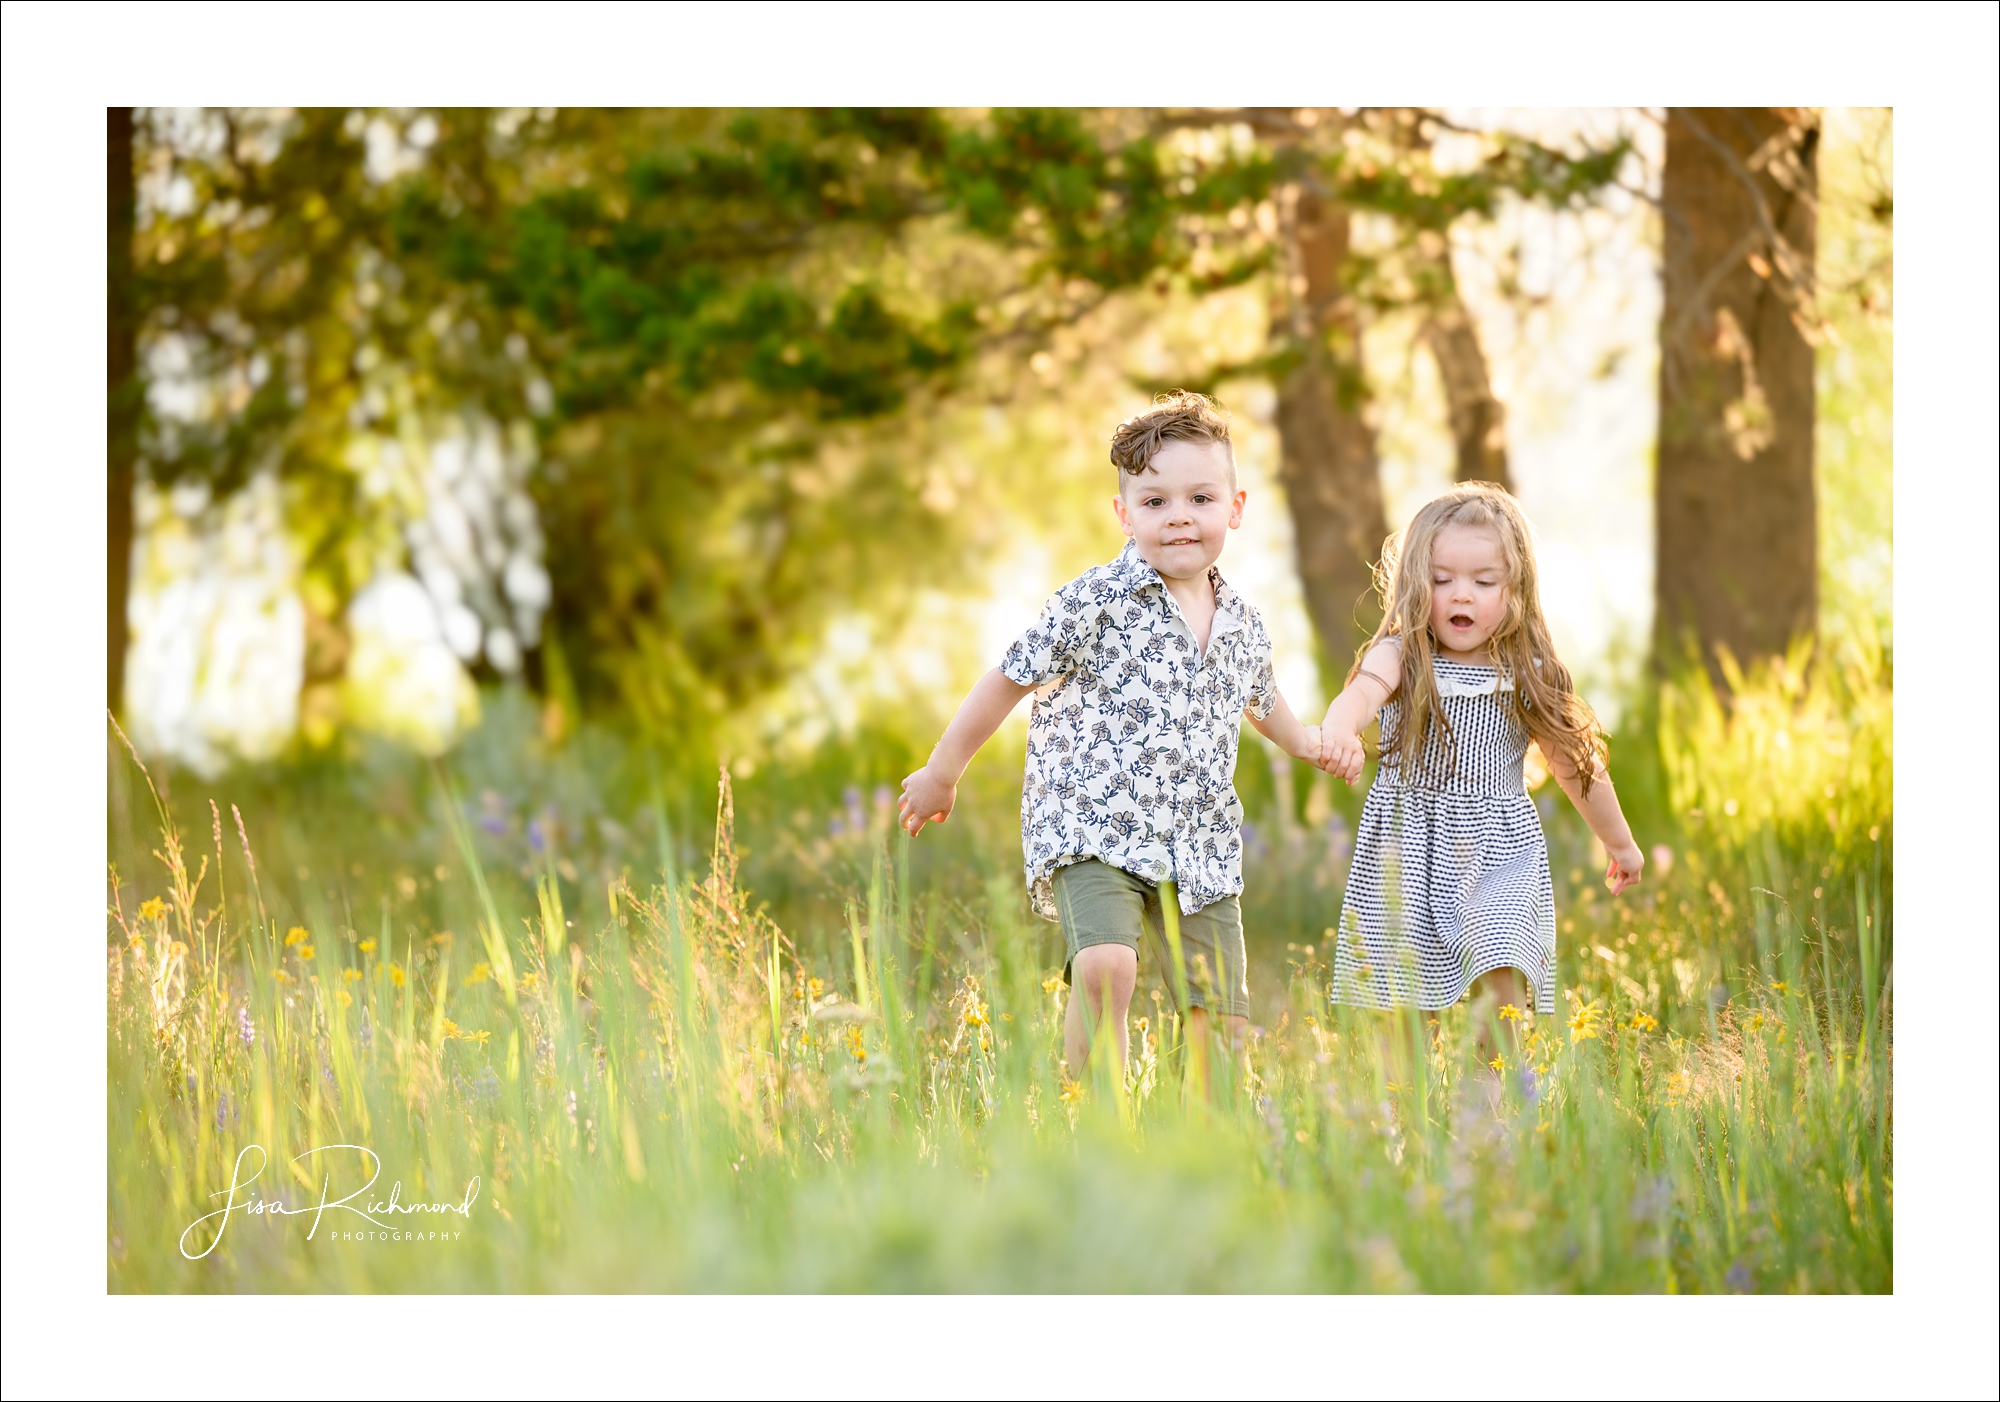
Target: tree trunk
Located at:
point(122, 395)
point(1737, 565)
point(1328, 462)
point(1478, 419)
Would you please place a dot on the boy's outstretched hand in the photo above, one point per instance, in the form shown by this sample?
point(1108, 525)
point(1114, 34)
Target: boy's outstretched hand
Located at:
point(927, 798)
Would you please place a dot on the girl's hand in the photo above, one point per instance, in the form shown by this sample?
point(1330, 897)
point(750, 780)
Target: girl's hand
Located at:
point(1342, 754)
point(928, 797)
point(1627, 862)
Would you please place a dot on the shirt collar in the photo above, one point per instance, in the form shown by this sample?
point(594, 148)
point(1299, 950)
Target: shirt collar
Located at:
point(1131, 568)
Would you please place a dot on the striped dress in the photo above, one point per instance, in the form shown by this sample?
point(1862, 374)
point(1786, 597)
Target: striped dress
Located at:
point(1450, 876)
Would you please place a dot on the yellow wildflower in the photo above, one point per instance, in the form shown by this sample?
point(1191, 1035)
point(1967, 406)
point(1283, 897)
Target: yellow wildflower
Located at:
point(975, 1014)
point(450, 1029)
point(346, 998)
point(1679, 1085)
point(305, 951)
point(351, 975)
point(855, 1046)
point(1072, 1092)
point(1781, 988)
point(1586, 1022)
point(1642, 1022)
point(814, 988)
point(153, 909)
point(368, 946)
point(1497, 1064)
point(1052, 983)
point(281, 976)
point(396, 974)
point(1509, 1013)
point(481, 972)
point(296, 935)
point(1755, 1022)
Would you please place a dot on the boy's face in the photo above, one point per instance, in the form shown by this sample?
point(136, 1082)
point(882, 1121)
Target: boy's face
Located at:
point(1181, 508)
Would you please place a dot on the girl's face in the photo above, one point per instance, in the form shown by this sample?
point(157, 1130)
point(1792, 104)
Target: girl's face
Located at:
point(1468, 588)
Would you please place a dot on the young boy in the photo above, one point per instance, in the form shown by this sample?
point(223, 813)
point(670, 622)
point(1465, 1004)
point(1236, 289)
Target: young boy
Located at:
point(1145, 665)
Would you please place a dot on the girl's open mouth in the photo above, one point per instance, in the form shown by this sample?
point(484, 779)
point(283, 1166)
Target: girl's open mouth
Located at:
point(1461, 620)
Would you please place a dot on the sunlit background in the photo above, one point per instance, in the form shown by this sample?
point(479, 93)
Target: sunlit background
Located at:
point(349, 498)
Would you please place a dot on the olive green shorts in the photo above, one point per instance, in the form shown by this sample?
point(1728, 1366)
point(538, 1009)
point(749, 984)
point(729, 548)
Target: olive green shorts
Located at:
point(1101, 904)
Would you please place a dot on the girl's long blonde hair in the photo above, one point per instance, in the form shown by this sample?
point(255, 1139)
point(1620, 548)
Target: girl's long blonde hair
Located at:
point(1545, 699)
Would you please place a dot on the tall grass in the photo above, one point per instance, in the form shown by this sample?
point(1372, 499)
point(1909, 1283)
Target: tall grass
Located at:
point(643, 1077)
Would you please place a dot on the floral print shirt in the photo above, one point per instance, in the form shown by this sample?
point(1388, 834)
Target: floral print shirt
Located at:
point(1132, 743)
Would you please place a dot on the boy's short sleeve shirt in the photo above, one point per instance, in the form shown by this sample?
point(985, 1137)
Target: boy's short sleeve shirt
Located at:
point(1132, 742)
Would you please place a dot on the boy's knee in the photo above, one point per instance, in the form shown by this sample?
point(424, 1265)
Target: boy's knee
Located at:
point(1101, 966)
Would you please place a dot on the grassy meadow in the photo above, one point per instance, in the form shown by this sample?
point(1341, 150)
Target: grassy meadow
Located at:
point(701, 1031)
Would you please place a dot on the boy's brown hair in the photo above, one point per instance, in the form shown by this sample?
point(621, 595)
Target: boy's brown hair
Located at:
point(1177, 414)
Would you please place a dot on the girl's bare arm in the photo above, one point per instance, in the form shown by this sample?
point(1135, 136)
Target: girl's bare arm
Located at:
point(1603, 816)
point(1340, 733)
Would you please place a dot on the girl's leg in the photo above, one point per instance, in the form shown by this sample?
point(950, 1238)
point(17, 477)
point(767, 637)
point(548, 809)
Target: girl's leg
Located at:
point(1102, 977)
point(1404, 1039)
point(1495, 1035)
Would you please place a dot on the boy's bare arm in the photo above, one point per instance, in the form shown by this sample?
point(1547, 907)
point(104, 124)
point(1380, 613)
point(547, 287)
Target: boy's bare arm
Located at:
point(929, 793)
point(1285, 730)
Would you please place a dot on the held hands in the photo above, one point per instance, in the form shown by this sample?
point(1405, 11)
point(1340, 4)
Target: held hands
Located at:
point(1341, 755)
point(928, 797)
point(1627, 861)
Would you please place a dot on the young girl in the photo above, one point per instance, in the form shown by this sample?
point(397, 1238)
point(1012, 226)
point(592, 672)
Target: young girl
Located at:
point(1449, 888)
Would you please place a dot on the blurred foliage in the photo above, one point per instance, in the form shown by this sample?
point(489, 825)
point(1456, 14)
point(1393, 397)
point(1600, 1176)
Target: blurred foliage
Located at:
point(729, 335)
point(1855, 424)
point(1802, 752)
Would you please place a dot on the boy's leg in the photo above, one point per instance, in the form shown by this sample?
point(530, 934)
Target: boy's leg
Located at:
point(1199, 1033)
point(1103, 976)
point(1218, 980)
point(1100, 907)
